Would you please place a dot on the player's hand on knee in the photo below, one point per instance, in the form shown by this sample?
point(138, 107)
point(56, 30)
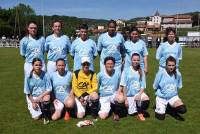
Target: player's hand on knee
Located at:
point(35, 106)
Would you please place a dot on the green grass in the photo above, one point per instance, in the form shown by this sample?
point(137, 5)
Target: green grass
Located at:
point(15, 118)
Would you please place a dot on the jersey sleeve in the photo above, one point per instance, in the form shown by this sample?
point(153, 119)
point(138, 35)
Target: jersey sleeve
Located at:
point(27, 89)
point(23, 47)
point(145, 51)
point(72, 51)
point(158, 52)
point(179, 80)
point(123, 81)
point(180, 53)
point(122, 47)
point(68, 45)
point(94, 84)
point(46, 46)
point(157, 80)
point(43, 44)
point(99, 43)
point(94, 49)
point(143, 81)
point(48, 84)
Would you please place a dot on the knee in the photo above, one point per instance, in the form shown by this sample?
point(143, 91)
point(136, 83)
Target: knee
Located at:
point(160, 116)
point(103, 116)
point(120, 98)
point(181, 109)
point(94, 96)
point(69, 103)
point(56, 115)
point(80, 115)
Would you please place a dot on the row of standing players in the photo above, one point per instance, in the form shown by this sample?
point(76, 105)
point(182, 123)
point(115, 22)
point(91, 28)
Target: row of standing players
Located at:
point(116, 89)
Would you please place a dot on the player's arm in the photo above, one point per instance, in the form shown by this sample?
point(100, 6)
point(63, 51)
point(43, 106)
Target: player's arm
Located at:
point(46, 45)
point(180, 55)
point(157, 80)
point(99, 45)
point(22, 47)
point(145, 64)
point(72, 51)
point(68, 45)
point(158, 52)
point(43, 44)
point(122, 87)
point(95, 53)
point(122, 48)
point(145, 53)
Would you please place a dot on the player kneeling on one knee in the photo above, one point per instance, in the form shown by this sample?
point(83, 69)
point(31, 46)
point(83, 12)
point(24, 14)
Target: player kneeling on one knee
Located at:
point(133, 83)
point(108, 90)
point(84, 85)
point(166, 84)
point(61, 83)
point(37, 89)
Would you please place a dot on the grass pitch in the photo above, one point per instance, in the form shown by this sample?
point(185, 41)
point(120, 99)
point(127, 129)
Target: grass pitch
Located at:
point(15, 118)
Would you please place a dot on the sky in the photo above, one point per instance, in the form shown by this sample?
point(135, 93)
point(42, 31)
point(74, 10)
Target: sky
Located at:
point(107, 9)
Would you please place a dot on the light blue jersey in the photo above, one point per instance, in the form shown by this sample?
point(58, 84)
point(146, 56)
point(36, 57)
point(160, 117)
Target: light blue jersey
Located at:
point(36, 85)
point(131, 80)
point(165, 50)
point(167, 86)
point(130, 48)
point(31, 48)
point(81, 49)
point(108, 85)
point(61, 85)
point(111, 46)
point(57, 47)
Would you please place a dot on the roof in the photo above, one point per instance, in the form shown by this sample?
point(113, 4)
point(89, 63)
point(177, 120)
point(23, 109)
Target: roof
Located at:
point(178, 21)
point(157, 13)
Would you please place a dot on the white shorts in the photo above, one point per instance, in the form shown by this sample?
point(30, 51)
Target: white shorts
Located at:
point(34, 113)
point(80, 107)
point(132, 108)
point(51, 67)
point(28, 68)
point(58, 105)
point(161, 104)
point(105, 103)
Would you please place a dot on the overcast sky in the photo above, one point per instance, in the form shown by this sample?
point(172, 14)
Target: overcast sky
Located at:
point(107, 9)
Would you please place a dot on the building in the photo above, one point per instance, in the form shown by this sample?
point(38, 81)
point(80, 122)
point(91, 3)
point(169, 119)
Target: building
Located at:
point(177, 21)
point(154, 22)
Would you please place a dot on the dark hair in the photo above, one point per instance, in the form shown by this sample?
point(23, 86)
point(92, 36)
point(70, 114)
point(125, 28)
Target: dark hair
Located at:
point(172, 59)
point(112, 21)
point(133, 29)
point(109, 58)
point(168, 30)
point(34, 60)
point(138, 68)
point(59, 21)
point(83, 26)
point(37, 36)
point(60, 59)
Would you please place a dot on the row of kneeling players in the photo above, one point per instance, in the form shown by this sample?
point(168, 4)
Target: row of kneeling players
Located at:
point(64, 93)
